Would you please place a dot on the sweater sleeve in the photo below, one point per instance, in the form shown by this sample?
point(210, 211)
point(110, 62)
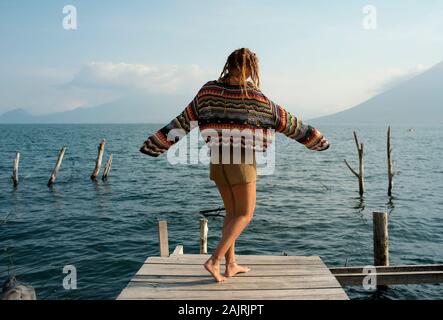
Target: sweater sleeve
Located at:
point(170, 134)
point(294, 128)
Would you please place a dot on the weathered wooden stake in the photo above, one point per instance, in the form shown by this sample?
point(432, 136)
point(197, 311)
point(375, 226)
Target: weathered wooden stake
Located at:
point(98, 162)
point(361, 174)
point(163, 238)
point(107, 168)
point(57, 167)
point(381, 241)
point(390, 163)
point(15, 169)
point(203, 236)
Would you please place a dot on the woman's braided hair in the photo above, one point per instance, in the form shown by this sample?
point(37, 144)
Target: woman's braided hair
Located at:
point(237, 63)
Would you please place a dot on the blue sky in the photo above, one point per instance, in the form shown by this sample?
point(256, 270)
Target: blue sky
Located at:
point(316, 58)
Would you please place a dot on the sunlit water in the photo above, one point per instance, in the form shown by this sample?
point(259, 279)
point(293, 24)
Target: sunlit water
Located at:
point(309, 206)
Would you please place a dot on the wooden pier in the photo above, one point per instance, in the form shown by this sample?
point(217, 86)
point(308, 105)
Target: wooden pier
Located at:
point(182, 277)
point(179, 276)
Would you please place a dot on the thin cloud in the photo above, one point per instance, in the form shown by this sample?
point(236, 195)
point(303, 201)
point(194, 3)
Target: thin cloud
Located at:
point(140, 78)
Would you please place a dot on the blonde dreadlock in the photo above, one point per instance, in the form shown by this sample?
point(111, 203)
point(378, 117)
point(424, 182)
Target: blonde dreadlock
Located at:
point(237, 64)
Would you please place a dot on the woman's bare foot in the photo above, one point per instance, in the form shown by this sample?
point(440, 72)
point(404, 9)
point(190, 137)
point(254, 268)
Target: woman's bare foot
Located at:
point(213, 267)
point(233, 268)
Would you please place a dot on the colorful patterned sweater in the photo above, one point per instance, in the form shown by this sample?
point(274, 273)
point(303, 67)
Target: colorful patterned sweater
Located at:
point(219, 106)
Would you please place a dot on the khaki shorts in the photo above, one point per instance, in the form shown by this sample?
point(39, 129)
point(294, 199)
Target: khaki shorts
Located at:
point(229, 174)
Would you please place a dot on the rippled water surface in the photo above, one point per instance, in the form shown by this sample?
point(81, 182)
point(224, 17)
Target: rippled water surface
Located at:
point(309, 206)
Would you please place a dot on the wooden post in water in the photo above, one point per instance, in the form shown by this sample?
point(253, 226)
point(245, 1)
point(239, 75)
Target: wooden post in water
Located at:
point(163, 238)
point(390, 163)
point(57, 167)
point(107, 168)
point(203, 236)
point(381, 241)
point(98, 162)
point(361, 174)
point(15, 169)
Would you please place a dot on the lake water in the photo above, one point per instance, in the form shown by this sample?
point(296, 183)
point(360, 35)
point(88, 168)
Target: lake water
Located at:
point(309, 206)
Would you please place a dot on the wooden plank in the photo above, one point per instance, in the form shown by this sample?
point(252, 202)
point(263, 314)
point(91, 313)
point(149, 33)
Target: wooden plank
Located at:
point(257, 270)
point(399, 268)
point(241, 259)
point(236, 283)
point(237, 279)
point(392, 278)
point(178, 250)
point(293, 294)
point(254, 257)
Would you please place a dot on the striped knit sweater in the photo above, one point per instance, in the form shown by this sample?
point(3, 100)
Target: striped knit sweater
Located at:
point(219, 106)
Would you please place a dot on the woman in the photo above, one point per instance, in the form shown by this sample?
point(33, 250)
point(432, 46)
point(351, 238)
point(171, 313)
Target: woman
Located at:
point(233, 102)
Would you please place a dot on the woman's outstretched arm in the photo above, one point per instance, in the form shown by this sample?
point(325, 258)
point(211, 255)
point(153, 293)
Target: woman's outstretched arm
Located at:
point(294, 128)
point(170, 134)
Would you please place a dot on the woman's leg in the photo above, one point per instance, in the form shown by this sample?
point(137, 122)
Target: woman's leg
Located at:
point(244, 200)
point(232, 268)
point(228, 201)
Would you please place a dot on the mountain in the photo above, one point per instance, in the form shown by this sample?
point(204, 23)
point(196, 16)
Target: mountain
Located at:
point(135, 109)
point(415, 101)
point(16, 116)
